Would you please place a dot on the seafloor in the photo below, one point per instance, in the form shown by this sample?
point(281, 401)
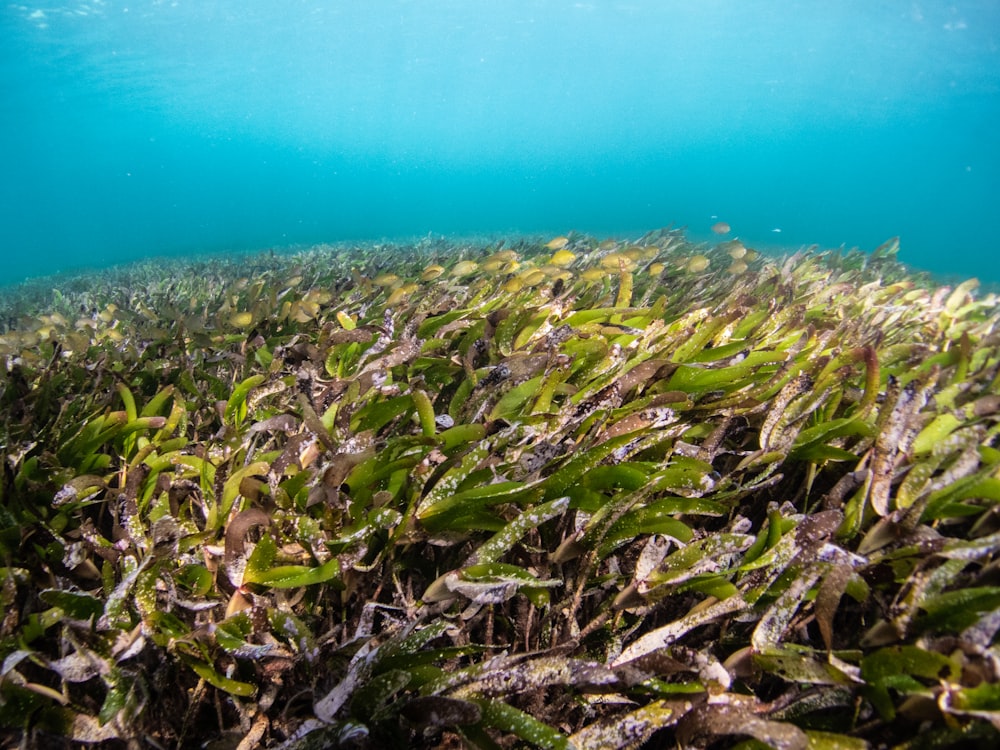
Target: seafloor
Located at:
point(573, 494)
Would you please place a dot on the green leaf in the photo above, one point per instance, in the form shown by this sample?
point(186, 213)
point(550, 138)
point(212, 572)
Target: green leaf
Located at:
point(436, 516)
point(236, 405)
point(79, 450)
point(293, 576)
point(935, 433)
point(460, 435)
point(691, 379)
point(693, 345)
point(831, 741)
point(168, 626)
point(262, 557)
point(19, 706)
point(983, 697)
point(76, 604)
point(896, 667)
point(570, 472)
point(625, 475)
point(231, 634)
point(688, 506)
point(686, 476)
point(500, 716)
point(231, 490)
point(654, 523)
point(195, 578)
point(886, 663)
point(128, 400)
point(155, 406)
point(288, 626)
point(374, 416)
point(425, 411)
point(117, 697)
point(208, 673)
point(957, 610)
point(433, 324)
point(510, 405)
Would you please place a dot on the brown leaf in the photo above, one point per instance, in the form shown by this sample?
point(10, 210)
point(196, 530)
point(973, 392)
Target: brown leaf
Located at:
point(724, 719)
point(237, 529)
point(828, 599)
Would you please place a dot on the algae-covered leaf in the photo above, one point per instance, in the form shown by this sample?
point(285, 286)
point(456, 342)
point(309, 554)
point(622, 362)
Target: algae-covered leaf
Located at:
point(631, 730)
point(493, 549)
point(409, 642)
point(80, 666)
point(666, 635)
point(896, 432)
point(490, 583)
point(772, 625)
point(711, 554)
point(494, 590)
point(289, 627)
point(435, 499)
point(828, 596)
point(507, 675)
point(371, 700)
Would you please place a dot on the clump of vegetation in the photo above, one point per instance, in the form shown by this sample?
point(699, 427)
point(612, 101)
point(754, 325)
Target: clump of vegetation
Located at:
point(582, 494)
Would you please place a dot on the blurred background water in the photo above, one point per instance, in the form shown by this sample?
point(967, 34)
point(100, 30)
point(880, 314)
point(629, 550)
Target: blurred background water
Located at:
point(172, 127)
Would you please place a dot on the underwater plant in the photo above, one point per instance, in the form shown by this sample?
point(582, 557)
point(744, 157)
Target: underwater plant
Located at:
point(574, 493)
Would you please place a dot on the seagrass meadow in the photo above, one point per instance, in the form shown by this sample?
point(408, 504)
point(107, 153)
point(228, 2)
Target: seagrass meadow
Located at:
point(567, 493)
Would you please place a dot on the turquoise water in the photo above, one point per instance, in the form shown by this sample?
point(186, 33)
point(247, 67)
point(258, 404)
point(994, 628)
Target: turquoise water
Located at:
point(145, 128)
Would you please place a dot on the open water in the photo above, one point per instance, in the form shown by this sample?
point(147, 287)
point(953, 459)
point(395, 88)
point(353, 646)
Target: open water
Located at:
point(141, 128)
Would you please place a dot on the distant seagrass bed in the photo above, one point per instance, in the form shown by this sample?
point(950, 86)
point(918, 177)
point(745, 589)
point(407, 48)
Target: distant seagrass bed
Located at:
point(550, 493)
